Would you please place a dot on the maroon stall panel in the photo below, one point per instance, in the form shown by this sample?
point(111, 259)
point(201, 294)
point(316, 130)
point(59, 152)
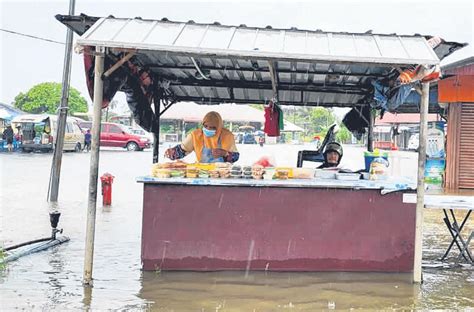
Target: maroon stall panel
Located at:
point(205, 228)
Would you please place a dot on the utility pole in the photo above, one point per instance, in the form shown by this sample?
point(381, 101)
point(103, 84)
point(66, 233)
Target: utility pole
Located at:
point(62, 116)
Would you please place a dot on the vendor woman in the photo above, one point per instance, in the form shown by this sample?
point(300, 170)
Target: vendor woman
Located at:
point(212, 143)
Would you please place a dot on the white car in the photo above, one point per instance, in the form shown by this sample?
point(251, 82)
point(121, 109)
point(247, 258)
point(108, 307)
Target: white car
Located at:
point(414, 142)
point(142, 133)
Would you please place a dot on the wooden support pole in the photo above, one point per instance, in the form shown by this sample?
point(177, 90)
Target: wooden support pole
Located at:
point(420, 188)
point(156, 134)
point(94, 166)
point(370, 132)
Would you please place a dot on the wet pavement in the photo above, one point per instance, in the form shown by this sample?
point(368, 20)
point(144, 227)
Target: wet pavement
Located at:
point(52, 279)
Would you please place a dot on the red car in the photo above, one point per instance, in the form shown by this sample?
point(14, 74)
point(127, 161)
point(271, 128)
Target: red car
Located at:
point(116, 135)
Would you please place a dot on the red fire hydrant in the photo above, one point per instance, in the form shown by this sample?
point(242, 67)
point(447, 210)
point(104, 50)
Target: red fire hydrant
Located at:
point(107, 179)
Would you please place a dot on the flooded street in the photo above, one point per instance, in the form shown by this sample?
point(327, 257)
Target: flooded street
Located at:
point(52, 279)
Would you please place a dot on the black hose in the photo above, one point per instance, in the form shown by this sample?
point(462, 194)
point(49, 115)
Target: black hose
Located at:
point(27, 243)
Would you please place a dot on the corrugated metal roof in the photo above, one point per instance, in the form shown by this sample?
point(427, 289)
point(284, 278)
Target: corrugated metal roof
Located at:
point(213, 64)
point(461, 67)
point(244, 42)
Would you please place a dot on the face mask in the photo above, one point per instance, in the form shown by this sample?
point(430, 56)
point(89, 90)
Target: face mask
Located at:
point(208, 133)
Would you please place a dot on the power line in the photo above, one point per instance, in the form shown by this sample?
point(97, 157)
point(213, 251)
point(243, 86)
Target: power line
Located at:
point(30, 36)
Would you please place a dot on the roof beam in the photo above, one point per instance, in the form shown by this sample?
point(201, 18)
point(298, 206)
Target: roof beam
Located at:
point(347, 89)
point(283, 71)
point(208, 100)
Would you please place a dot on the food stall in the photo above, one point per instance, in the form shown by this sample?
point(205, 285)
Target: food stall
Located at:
point(297, 221)
point(277, 223)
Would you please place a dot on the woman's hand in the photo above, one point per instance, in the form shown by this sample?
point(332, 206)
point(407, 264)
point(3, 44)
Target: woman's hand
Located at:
point(219, 152)
point(168, 153)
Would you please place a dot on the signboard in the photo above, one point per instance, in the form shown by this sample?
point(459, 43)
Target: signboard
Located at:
point(435, 160)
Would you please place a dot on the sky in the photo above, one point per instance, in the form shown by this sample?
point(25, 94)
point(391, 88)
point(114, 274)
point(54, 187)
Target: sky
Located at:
point(25, 62)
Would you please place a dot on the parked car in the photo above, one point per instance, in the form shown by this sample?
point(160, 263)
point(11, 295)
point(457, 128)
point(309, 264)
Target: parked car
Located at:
point(117, 135)
point(414, 142)
point(142, 133)
point(37, 133)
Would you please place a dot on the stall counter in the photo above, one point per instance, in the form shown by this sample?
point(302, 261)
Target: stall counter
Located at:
point(287, 225)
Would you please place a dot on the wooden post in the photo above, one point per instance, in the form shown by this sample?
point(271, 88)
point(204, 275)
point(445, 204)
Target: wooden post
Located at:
point(420, 188)
point(156, 134)
point(370, 132)
point(94, 166)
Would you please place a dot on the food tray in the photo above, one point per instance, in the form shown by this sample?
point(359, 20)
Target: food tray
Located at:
point(325, 174)
point(348, 176)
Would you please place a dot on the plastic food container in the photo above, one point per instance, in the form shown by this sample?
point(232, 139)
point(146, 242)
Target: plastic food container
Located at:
point(177, 173)
point(281, 174)
point(303, 173)
point(348, 176)
point(269, 172)
point(161, 173)
point(203, 166)
point(289, 170)
point(325, 174)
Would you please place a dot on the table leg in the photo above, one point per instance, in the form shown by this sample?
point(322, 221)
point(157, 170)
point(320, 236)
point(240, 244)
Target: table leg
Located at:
point(455, 231)
point(466, 246)
point(458, 230)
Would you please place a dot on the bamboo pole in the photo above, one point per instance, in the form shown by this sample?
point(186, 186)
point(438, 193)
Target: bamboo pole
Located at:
point(94, 166)
point(420, 188)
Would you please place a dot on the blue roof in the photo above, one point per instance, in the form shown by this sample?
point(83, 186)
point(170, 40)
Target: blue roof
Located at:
point(8, 112)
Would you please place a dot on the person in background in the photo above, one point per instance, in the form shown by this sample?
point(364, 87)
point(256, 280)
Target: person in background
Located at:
point(332, 155)
point(8, 137)
point(211, 143)
point(87, 140)
point(317, 140)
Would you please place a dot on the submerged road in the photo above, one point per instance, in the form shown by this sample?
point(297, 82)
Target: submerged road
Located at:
point(51, 280)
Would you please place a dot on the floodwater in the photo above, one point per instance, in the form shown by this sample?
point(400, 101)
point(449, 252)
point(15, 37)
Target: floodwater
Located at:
point(52, 279)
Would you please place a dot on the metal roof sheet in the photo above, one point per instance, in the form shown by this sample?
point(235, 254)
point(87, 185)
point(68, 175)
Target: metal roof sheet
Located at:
point(214, 64)
point(291, 44)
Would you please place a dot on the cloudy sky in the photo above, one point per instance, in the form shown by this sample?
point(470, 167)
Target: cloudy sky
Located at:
point(25, 62)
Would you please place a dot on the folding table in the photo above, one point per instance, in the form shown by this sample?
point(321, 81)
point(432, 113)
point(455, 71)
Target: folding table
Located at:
point(450, 203)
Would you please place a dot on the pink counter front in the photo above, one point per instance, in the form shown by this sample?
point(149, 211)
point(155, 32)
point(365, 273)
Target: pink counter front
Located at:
point(277, 226)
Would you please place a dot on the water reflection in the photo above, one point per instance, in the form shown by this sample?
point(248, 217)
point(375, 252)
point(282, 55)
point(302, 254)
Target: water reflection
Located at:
point(231, 291)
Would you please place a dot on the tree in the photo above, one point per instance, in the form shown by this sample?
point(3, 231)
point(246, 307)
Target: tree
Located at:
point(46, 97)
point(343, 135)
point(321, 119)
